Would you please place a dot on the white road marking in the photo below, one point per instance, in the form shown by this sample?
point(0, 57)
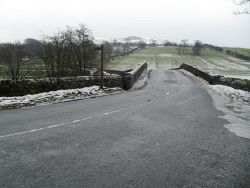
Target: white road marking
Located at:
point(52, 126)
point(86, 118)
point(73, 122)
point(111, 112)
point(20, 133)
point(101, 115)
point(167, 93)
point(58, 125)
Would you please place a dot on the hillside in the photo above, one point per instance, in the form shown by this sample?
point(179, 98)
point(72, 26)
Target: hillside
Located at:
point(167, 58)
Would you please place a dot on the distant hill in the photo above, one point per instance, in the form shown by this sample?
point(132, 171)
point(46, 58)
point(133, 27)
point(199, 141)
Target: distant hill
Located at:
point(130, 39)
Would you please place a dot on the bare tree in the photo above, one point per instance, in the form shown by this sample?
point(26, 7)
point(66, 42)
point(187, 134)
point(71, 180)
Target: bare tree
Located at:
point(85, 38)
point(179, 49)
point(126, 47)
point(12, 55)
point(47, 55)
point(153, 42)
point(69, 52)
point(108, 49)
point(32, 47)
point(197, 48)
point(183, 47)
point(243, 3)
point(54, 55)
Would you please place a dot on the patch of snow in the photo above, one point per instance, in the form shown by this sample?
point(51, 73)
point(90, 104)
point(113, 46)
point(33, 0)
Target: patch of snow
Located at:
point(54, 97)
point(168, 55)
point(236, 95)
point(142, 80)
point(241, 61)
point(227, 65)
point(94, 72)
point(247, 77)
point(202, 60)
point(235, 104)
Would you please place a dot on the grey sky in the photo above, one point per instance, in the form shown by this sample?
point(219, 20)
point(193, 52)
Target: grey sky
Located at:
point(210, 21)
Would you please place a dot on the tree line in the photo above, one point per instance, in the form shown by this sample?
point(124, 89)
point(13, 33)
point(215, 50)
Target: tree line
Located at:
point(66, 53)
point(185, 48)
point(70, 52)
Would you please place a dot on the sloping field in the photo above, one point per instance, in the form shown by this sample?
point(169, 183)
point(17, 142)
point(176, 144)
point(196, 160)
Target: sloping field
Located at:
point(243, 51)
point(166, 58)
point(157, 58)
point(220, 63)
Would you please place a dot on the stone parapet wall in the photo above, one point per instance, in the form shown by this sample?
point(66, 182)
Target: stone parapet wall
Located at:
point(30, 86)
point(131, 77)
point(235, 83)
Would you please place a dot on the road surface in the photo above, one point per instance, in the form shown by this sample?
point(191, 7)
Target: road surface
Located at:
point(167, 134)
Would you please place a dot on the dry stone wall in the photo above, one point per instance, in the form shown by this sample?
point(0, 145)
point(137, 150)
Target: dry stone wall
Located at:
point(24, 87)
point(235, 83)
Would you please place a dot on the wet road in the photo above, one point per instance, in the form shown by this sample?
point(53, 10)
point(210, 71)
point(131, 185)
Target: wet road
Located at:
point(167, 134)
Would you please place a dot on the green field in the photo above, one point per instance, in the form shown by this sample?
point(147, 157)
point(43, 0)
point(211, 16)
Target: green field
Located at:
point(243, 51)
point(220, 63)
point(157, 58)
point(29, 69)
point(167, 58)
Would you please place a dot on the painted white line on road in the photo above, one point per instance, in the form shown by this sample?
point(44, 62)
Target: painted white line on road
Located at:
point(111, 112)
point(86, 118)
point(77, 121)
point(97, 116)
point(20, 133)
point(58, 125)
point(73, 123)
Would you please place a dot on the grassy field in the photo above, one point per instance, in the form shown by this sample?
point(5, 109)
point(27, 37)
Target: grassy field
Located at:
point(243, 51)
point(157, 58)
point(30, 69)
point(220, 63)
point(167, 58)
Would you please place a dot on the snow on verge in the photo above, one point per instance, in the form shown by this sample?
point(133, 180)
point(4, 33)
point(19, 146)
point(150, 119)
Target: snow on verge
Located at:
point(235, 104)
point(54, 97)
point(235, 95)
point(142, 80)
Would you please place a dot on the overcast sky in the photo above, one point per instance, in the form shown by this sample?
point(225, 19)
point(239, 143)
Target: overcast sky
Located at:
point(210, 21)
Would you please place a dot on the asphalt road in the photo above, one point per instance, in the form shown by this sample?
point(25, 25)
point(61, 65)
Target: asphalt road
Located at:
point(167, 134)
